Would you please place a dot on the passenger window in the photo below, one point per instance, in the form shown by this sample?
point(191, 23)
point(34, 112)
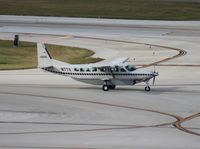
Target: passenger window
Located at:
point(102, 69)
point(112, 69)
point(116, 69)
point(123, 70)
point(94, 69)
point(81, 69)
point(76, 69)
point(88, 70)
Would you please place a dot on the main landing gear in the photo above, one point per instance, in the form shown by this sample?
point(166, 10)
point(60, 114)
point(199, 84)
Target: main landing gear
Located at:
point(106, 87)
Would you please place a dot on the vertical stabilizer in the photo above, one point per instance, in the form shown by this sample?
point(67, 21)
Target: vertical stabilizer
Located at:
point(44, 58)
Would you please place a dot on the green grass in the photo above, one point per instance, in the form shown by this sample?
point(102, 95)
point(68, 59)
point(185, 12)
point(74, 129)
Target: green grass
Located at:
point(128, 9)
point(25, 56)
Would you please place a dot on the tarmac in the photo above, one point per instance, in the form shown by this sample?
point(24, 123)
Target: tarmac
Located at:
point(43, 110)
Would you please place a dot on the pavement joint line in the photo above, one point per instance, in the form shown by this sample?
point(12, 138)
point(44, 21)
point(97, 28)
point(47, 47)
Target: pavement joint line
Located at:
point(57, 38)
point(19, 24)
point(185, 129)
point(45, 147)
point(181, 52)
point(77, 130)
point(61, 123)
point(178, 118)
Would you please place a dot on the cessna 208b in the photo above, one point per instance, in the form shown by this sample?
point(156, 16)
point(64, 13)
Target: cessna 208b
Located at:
point(109, 75)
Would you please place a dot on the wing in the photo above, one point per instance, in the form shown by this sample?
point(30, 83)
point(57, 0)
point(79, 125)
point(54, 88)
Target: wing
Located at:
point(116, 62)
point(119, 61)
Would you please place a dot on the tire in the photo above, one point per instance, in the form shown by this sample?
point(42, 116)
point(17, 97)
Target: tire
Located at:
point(105, 88)
point(147, 88)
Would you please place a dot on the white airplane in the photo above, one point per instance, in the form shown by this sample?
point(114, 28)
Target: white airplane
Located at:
point(117, 72)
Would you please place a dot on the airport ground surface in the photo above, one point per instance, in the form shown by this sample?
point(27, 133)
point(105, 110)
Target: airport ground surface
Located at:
point(42, 110)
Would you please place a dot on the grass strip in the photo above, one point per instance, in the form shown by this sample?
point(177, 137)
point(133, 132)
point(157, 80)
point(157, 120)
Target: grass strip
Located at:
point(25, 56)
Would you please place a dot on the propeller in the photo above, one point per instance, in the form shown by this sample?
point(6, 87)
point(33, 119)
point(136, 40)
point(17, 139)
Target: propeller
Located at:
point(154, 75)
point(154, 78)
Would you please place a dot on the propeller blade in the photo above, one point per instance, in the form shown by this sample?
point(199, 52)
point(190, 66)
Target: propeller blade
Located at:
point(154, 78)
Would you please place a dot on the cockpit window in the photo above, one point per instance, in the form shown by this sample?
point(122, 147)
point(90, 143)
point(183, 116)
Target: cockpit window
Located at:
point(130, 67)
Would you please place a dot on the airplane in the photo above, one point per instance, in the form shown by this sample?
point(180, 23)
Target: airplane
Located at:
point(107, 74)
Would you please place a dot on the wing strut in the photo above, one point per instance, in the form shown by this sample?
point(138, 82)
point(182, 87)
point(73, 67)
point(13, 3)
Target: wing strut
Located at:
point(111, 71)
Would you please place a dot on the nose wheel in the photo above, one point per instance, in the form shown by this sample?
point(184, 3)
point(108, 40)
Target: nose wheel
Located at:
point(147, 88)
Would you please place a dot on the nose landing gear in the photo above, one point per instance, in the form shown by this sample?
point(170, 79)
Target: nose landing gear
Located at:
point(147, 88)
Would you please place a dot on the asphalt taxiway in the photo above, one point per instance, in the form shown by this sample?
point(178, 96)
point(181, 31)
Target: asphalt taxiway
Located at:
point(42, 110)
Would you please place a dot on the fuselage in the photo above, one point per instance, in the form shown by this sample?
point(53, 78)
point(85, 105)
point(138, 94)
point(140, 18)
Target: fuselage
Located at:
point(89, 73)
point(116, 72)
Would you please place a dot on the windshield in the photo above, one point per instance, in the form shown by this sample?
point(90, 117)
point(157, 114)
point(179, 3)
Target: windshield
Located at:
point(130, 67)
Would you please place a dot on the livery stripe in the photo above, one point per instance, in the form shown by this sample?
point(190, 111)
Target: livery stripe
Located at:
point(97, 74)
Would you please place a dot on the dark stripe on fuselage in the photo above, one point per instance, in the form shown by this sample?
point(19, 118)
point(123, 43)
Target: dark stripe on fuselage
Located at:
point(97, 74)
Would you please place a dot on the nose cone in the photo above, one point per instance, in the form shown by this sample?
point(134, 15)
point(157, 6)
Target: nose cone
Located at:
point(155, 74)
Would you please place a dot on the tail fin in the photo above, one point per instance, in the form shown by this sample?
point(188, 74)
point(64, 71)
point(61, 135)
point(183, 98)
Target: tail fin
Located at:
point(44, 58)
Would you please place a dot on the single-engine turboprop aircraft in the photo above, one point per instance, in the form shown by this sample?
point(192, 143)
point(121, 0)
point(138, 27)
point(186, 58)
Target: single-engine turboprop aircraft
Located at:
point(109, 75)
